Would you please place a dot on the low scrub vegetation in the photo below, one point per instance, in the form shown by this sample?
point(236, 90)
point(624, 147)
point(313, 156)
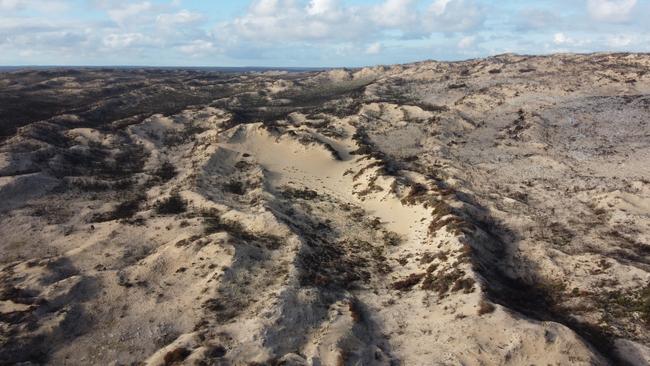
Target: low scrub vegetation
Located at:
point(453, 280)
point(165, 172)
point(485, 307)
point(408, 283)
point(172, 205)
point(124, 210)
point(235, 187)
point(214, 224)
point(304, 193)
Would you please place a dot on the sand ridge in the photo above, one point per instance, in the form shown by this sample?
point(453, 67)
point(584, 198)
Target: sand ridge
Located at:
point(432, 213)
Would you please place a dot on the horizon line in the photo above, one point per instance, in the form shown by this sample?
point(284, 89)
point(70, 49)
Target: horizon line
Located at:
point(324, 67)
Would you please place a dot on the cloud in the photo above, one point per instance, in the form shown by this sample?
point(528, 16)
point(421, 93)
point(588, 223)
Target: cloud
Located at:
point(454, 16)
point(619, 41)
point(323, 8)
point(438, 7)
point(535, 19)
point(467, 42)
point(613, 11)
point(126, 40)
point(310, 32)
point(198, 47)
point(374, 48)
point(123, 13)
point(561, 39)
point(293, 21)
point(28, 32)
point(181, 19)
point(316, 23)
point(10, 5)
point(38, 6)
point(394, 13)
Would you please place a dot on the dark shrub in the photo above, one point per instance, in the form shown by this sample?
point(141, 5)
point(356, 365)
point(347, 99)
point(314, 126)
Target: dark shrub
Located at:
point(305, 194)
point(235, 187)
point(485, 307)
point(407, 283)
point(177, 355)
point(172, 205)
point(124, 210)
point(166, 171)
point(457, 86)
point(128, 208)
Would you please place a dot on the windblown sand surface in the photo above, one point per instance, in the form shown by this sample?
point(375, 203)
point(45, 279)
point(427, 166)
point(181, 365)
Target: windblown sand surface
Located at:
point(487, 212)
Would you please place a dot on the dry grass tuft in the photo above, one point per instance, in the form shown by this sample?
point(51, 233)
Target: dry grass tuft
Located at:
point(485, 307)
point(176, 356)
point(407, 283)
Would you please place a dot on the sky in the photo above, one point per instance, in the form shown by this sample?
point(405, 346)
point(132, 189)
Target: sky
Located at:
point(310, 33)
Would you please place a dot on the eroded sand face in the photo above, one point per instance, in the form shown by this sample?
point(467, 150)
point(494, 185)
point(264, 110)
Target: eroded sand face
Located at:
point(422, 214)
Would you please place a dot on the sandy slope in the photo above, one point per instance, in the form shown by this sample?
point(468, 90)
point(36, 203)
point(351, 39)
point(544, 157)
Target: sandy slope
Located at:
point(356, 230)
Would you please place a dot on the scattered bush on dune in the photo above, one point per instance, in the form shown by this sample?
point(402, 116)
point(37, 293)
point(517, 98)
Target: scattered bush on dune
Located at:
point(172, 205)
point(293, 193)
point(453, 280)
point(407, 283)
point(166, 171)
point(122, 211)
point(392, 238)
point(235, 187)
point(176, 356)
point(128, 208)
point(214, 224)
point(485, 307)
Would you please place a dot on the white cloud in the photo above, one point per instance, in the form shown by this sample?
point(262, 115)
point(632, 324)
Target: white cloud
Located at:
point(124, 13)
point(395, 13)
point(10, 5)
point(453, 16)
point(614, 11)
point(266, 7)
point(467, 42)
point(28, 53)
point(561, 39)
point(289, 21)
point(40, 6)
point(374, 48)
point(124, 40)
point(331, 21)
point(322, 7)
point(198, 47)
point(533, 18)
point(438, 6)
point(181, 18)
point(303, 32)
point(619, 41)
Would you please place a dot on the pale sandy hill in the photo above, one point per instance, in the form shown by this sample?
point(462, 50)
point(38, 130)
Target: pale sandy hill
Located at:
point(488, 212)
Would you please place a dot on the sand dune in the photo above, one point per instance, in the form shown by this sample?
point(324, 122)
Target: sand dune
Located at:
point(421, 214)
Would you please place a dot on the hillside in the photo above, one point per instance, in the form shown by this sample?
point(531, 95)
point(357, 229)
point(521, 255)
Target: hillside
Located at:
point(484, 212)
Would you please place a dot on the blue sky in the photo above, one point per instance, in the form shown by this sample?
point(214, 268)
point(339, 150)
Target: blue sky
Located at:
point(310, 32)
